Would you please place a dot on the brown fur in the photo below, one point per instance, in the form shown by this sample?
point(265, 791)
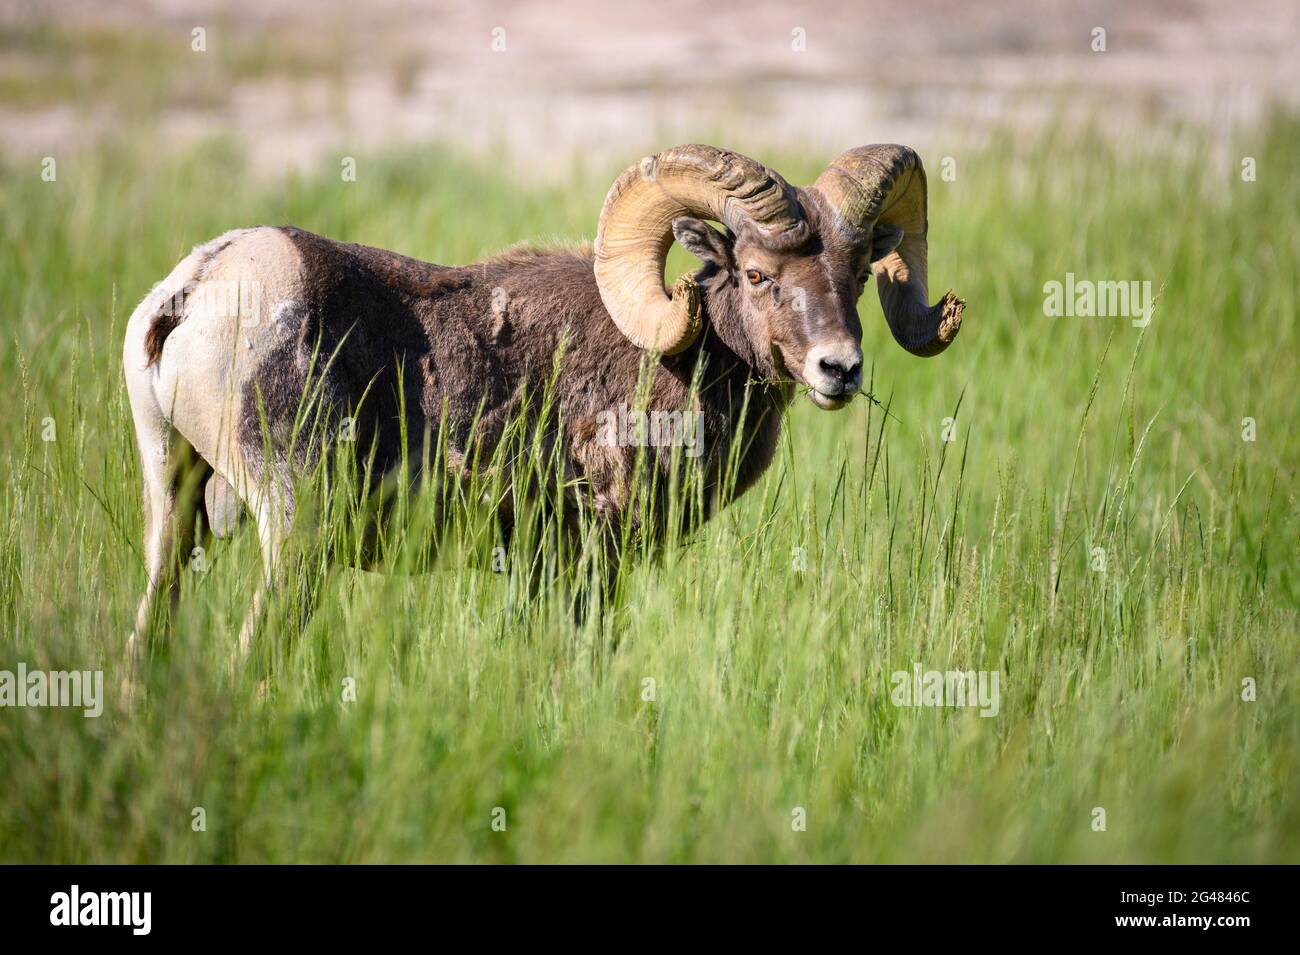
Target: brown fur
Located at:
point(466, 343)
point(404, 347)
point(164, 322)
point(471, 341)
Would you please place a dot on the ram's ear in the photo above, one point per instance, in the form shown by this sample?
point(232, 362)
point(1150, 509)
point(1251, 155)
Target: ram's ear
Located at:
point(884, 239)
point(703, 241)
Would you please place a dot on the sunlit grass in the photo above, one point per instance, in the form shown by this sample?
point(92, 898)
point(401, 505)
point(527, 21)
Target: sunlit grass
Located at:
point(1120, 689)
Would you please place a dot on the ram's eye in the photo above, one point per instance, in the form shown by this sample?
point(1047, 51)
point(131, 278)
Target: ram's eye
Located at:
point(755, 277)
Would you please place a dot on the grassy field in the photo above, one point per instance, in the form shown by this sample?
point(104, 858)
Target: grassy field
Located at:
point(871, 545)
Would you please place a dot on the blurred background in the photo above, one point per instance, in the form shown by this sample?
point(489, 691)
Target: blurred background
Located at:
point(291, 84)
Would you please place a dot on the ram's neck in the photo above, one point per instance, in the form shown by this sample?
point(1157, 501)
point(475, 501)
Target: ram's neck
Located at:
point(740, 383)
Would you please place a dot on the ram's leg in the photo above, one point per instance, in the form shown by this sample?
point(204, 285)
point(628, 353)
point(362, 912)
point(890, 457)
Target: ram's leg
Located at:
point(173, 501)
point(293, 569)
point(596, 573)
point(273, 525)
point(158, 534)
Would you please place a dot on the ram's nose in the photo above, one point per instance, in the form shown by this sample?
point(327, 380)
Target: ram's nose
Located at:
point(834, 370)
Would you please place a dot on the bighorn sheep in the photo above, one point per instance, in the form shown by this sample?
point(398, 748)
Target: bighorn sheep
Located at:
point(218, 357)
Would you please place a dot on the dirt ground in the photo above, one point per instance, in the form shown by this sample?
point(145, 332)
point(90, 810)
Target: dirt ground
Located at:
point(287, 81)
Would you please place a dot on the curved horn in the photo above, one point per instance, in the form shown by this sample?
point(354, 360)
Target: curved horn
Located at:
point(874, 186)
point(636, 231)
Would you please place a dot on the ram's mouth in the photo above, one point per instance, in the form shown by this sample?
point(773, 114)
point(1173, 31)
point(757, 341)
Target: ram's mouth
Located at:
point(829, 402)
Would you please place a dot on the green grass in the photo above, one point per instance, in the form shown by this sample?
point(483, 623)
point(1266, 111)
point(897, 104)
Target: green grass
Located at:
point(141, 69)
point(1119, 689)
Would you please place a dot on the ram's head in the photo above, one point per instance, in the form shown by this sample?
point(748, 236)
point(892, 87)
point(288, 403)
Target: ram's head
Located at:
point(792, 262)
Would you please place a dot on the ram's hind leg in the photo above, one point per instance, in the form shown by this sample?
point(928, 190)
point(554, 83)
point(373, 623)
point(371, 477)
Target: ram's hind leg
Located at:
point(273, 511)
point(293, 567)
point(173, 501)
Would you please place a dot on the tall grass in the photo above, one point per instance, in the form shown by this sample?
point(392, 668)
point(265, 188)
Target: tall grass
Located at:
point(746, 673)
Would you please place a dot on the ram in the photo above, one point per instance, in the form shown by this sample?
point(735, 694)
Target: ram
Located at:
point(222, 356)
